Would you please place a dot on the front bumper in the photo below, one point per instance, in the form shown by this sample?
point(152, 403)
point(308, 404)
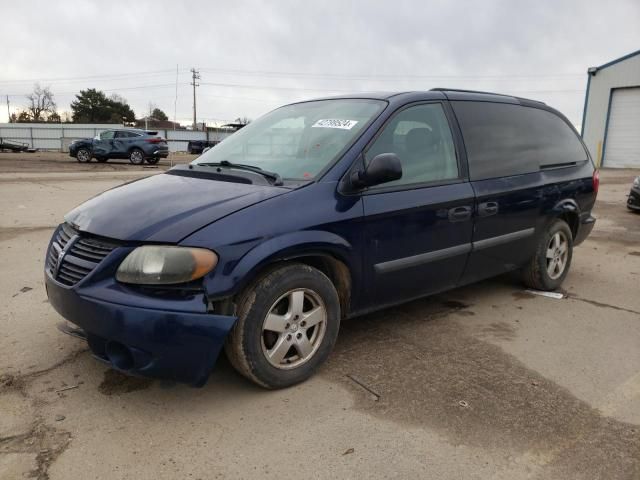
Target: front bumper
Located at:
point(633, 200)
point(162, 343)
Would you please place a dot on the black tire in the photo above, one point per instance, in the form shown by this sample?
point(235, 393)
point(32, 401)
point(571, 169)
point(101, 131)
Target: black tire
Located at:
point(136, 156)
point(246, 344)
point(536, 273)
point(153, 160)
point(83, 155)
point(102, 159)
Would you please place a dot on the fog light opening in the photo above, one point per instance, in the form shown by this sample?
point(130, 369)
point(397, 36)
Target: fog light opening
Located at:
point(119, 355)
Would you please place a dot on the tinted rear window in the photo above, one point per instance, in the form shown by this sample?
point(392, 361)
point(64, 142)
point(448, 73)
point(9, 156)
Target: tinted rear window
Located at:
point(505, 139)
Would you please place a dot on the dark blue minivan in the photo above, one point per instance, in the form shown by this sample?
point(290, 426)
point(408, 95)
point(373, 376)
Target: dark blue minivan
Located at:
point(316, 212)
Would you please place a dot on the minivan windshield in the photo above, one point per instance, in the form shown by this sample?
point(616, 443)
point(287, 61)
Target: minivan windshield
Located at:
point(296, 141)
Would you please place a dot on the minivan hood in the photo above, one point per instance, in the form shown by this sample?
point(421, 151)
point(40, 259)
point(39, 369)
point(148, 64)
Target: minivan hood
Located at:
point(164, 207)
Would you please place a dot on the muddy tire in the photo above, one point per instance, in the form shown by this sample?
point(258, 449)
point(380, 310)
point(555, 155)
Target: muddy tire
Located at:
point(549, 266)
point(288, 322)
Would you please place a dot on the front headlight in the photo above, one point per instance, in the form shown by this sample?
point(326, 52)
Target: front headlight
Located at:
point(165, 265)
point(636, 182)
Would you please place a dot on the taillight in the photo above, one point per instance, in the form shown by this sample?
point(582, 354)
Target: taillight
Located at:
point(596, 181)
point(155, 140)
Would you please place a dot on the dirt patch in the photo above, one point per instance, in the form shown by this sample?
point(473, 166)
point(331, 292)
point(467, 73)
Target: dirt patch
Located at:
point(45, 442)
point(7, 233)
point(117, 383)
point(499, 330)
point(12, 382)
point(431, 370)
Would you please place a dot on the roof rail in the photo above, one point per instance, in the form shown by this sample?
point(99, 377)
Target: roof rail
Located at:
point(484, 93)
point(469, 91)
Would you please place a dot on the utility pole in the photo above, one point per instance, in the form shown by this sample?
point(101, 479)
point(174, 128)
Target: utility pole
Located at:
point(8, 111)
point(195, 75)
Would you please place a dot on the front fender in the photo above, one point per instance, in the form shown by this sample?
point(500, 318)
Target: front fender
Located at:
point(235, 274)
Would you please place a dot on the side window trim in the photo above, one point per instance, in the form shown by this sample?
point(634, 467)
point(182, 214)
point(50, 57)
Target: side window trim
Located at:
point(460, 153)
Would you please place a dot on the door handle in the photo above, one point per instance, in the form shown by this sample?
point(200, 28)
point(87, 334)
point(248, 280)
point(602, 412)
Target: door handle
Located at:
point(487, 209)
point(459, 214)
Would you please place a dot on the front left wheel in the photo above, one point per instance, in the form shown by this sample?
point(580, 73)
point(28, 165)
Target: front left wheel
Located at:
point(288, 322)
point(83, 155)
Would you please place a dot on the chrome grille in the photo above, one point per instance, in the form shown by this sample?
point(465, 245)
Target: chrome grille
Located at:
point(82, 255)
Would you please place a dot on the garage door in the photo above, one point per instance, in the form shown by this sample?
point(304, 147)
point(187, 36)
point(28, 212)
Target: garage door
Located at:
point(623, 134)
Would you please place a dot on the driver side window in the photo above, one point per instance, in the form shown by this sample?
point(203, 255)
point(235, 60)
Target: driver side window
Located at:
point(421, 138)
point(108, 135)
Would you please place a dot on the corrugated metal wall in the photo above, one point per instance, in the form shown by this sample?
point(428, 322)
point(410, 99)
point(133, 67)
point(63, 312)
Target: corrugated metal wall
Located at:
point(625, 73)
point(58, 136)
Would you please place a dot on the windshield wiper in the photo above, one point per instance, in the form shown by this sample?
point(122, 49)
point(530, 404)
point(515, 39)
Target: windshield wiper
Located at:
point(275, 177)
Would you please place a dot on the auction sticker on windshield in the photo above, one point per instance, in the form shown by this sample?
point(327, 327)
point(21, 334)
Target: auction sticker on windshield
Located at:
point(335, 123)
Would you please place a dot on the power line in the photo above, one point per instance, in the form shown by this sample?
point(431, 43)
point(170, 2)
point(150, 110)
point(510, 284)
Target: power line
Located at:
point(378, 77)
point(384, 76)
point(89, 77)
point(273, 87)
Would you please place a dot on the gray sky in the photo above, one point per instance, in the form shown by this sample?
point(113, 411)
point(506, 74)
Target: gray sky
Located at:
point(254, 56)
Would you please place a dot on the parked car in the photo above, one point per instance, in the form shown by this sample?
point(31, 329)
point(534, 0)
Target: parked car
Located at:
point(317, 212)
point(199, 146)
point(136, 145)
point(633, 200)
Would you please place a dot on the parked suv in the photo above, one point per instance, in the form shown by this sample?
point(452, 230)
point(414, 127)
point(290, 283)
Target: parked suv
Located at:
point(317, 212)
point(136, 145)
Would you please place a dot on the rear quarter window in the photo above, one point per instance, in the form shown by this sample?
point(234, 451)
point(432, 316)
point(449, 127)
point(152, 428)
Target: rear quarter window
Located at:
point(504, 139)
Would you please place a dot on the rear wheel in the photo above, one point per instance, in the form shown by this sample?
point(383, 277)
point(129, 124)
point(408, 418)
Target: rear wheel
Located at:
point(287, 325)
point(83, 155)
point(550, 264)
point(136, 156)
point(153, 160)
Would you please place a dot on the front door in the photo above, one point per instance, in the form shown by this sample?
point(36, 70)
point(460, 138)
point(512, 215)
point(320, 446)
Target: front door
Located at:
point(103, 144)
point(418, 229)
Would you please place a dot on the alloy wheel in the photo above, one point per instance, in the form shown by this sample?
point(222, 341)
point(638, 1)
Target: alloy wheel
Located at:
point(294, 328)
point(136, 157)
point(557, 255)
point(83, 155)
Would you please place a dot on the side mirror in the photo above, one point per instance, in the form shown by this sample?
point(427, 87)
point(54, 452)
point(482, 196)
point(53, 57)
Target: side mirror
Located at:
point(382, 168)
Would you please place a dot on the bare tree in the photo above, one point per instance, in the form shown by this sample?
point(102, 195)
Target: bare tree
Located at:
point(41, 103)
point(118, 98)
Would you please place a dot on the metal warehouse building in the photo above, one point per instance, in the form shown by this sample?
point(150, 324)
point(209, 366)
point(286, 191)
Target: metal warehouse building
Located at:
point(611, 120)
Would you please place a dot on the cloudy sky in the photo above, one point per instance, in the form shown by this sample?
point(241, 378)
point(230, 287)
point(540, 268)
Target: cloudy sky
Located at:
point(253, 56)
